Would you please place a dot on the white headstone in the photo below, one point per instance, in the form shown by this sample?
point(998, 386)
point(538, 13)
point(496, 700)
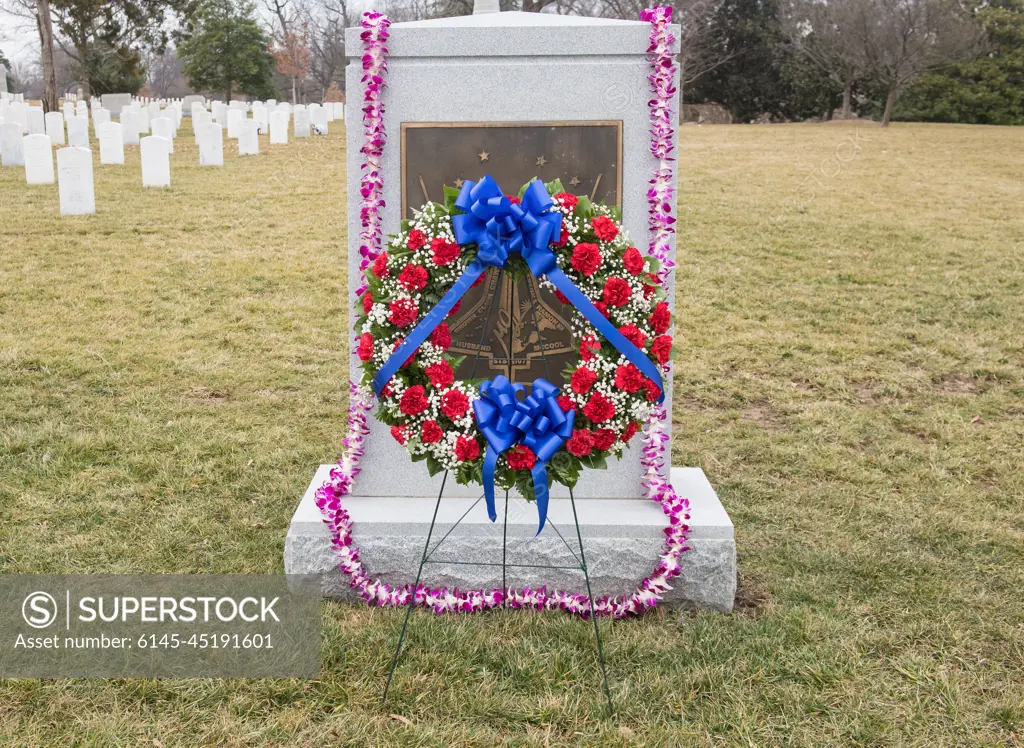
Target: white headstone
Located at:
point(74, 182)
point(38, 158)
point(262, 116)
point(211, 144)
point(301, 123)
point(78, 131)
point(329, 110)
point(271, 103)
point(99, 116)
point(339, 110)
point(111, 143)
point(143, 120)
point(82, 108)
point(163, 127)
point(130, 126)
point(55, 128)
point(318, 119)
point(19, 112)
point(235, 118)
point(12, 152)
point(199, 118)
point(249, 139)
point(279, 128)
point(36, 121)
point(68, 109)
point(156, 163)
point(220, 112)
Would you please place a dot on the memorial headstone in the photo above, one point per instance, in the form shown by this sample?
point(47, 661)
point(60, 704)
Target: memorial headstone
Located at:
point(143, 113)
point(38, 152)
point(235, 119)
point(220, 112)
point(318, 119)
point(99, 116)
point(82, 108)
point(68, 109)
point(163, 127)
point(339, 110)
point(279, 128)
point(78, 131)
point(249, 138)
point(36, 121)
point(302, 128)
point(12, 152)
point(111, 143)
point(211, 145)
point(488, 94)
point(130, 126)
point(55, 127)
point(114, 103)
point(75, 182)
point(156, 163)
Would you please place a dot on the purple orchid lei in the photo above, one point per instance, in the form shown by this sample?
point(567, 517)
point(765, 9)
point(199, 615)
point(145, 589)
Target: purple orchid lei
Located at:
point(661, 195)
point(371, 184)
point(329, 496)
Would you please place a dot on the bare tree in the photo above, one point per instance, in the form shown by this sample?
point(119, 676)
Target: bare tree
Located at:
point(831, 36)
point(165, 73)
point(904, 38)
point(44, 23)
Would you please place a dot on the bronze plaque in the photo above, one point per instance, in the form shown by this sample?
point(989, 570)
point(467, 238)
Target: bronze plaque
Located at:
point(503, 327)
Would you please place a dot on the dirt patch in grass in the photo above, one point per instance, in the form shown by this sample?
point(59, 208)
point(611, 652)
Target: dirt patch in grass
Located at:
point(206, 395)
point(956, 384)
point(764, 415)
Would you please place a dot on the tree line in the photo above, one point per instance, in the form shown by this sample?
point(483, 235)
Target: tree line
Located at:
point(934, 60)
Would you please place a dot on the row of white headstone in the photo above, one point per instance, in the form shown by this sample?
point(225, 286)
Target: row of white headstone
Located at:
point(74, 164)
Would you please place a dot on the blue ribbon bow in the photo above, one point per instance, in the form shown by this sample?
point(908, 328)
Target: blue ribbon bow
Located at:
point(537, 421)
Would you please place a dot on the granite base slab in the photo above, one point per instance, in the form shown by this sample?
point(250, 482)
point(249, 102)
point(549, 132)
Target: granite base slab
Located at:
point(622, 539)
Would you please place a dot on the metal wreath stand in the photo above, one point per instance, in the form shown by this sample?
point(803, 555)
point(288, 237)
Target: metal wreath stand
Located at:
point(428, 551)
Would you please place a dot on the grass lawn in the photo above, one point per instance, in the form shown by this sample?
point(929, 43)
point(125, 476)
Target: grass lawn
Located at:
point(851, 378)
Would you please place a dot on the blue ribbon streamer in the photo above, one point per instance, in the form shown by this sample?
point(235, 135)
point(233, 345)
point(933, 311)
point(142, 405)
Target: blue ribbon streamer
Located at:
point(499, 227)
point(536, 421)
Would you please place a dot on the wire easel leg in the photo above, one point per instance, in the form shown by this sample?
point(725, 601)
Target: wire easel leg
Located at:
point(504, 554)
point(593, 613)
point(415, 586)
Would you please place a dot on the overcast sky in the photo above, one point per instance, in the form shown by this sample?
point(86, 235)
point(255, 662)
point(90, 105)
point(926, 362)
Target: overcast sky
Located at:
point(18, 38)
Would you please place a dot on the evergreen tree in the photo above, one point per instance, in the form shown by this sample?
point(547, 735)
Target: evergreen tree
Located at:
point(988, 90)
point(226, 51)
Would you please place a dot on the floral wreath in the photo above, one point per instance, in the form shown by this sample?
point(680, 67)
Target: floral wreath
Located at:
point(431, 413)
point(330, 497)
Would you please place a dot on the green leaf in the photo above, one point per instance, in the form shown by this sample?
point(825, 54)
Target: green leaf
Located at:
point(451, 194)
point(595, 462)
point(554, 187)
point(433, 466)
point(584, 207)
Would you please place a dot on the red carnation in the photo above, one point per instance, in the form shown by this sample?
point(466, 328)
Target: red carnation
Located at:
point(629, 432)
point(380, 265)
point(403, 312)
point(565, 403)
point(653, 391)
point(603, 308)
point(441, 336)
point(366, 347)
point(454, 404)
point(651, 284)
point(604, 438)
point(616, 292)
point(521, 457)
point(514, 199)
point(445, 252)
point(367, 302)
point(479, 280)
point(569, 201)
point(387, 390)
point(628, 378)
point(586, 258)
point(466, 449)
point(604, 228)
point(599, 409)
point(561, 296)
point(633, 260)
point(562, 238)
point(581, 443)
point(583, 379)
point(417, 239)
point(634, 335)
point(456, 308)
point(440, 374)
point(413, 401)
point(413, 277)
point(662, 348)
point(398, 433)
point(660, 318)
point(431, 433)
point(589, 347)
